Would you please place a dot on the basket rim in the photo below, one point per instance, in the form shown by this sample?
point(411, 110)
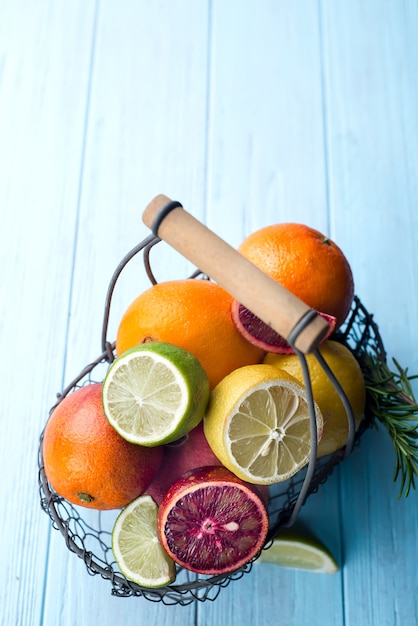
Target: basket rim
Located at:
point(184, 593)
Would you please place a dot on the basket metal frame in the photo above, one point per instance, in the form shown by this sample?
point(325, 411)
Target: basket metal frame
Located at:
point(359, 333)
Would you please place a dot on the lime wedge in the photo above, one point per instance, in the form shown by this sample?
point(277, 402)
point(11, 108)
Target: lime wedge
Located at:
point(136, 547)
point(155, 393)
point(301, 551)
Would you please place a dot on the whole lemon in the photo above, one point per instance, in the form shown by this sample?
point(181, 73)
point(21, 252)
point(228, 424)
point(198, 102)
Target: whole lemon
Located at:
point(348, 373)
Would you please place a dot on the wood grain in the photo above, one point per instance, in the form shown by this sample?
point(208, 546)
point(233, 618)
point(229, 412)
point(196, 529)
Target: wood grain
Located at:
point(372, 137)
point(249, 113)
point(42, 102)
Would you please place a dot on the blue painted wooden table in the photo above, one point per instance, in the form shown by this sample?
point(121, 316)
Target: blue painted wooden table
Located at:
point(250, 112)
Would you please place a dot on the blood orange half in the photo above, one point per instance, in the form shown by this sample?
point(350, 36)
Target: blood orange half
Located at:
point(259, 334)
point(212, 522)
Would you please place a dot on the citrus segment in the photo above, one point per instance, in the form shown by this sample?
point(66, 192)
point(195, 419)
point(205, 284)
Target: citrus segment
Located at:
point(193, 314)
point(87, 462)
point(299, 551)
point(155, 393)
point(348, 373)
point(263, 336)
point(136, 547)
point(258, 424)
point(211, 522)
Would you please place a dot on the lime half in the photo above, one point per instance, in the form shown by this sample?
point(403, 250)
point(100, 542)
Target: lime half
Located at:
point(155, 393)
point(297, 550)
point(136, 547)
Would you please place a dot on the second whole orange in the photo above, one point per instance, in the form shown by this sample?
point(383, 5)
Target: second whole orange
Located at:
point(193, 314)
point(307, 263)
point(87, 462)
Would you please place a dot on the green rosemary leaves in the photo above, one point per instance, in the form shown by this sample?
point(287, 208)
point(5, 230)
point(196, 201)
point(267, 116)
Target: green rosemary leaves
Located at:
point(392, 403)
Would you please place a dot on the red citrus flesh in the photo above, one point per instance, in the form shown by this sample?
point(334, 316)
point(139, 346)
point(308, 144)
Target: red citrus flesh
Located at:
point(212, 522)
point(263, 336)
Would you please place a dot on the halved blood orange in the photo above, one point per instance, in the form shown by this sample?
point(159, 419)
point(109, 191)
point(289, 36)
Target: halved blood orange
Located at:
point(259, 334)
point(212, 522)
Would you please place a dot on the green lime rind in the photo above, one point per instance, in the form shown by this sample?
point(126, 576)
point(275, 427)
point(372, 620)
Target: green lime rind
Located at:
point(138, 552)
point(155, 393)
point(299, 550)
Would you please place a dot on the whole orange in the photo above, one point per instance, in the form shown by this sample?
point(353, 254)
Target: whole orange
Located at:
point(307, 263)
point(87, 462)
point(193, 314)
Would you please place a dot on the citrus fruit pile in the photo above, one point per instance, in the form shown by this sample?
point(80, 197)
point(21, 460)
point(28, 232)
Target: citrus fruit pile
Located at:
point(203, 408)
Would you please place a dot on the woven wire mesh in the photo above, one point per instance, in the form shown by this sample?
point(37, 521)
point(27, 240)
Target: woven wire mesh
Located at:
point(87, 532)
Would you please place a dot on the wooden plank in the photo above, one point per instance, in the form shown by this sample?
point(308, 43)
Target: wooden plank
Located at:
point(267, 165)
point(99, 111)
point(43, 47)
point(372, 144)
point(146, 135)
point(266, 150)
point(370, 65)
point(380, 575)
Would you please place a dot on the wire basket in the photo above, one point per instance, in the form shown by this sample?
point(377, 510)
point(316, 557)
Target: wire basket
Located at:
point(87, 532)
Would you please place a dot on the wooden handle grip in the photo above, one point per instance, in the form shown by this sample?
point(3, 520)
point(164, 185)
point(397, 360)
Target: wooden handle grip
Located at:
point(259, 293)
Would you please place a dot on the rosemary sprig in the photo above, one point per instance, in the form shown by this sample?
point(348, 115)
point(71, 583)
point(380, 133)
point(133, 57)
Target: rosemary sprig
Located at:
point(392, 403)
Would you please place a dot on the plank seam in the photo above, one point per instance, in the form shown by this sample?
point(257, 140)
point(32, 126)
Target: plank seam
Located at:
point(208, 113)
point(325, 129)
point(76, 230)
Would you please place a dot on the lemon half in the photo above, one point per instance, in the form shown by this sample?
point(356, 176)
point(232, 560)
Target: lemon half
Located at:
point(258, 425)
